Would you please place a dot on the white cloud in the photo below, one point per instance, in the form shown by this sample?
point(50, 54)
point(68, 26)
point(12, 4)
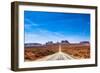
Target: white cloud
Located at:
point(31, 23)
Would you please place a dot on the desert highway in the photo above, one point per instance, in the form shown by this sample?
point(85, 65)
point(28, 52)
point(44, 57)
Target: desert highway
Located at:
point(57, 56)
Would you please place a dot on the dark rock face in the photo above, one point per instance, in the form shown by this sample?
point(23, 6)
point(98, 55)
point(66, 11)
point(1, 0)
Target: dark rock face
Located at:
point(32, 44)
point(49, 43)
point(85, 42)
point(65, 42)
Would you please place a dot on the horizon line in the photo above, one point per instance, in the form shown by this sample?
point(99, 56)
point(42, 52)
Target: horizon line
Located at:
point(58, 42)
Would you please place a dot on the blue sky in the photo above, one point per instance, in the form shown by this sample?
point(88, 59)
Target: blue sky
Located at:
point(40, 27)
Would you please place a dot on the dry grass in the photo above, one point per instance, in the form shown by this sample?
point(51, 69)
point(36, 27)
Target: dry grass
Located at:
point(77, 51)
point(33, 53)
point(37, 52)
